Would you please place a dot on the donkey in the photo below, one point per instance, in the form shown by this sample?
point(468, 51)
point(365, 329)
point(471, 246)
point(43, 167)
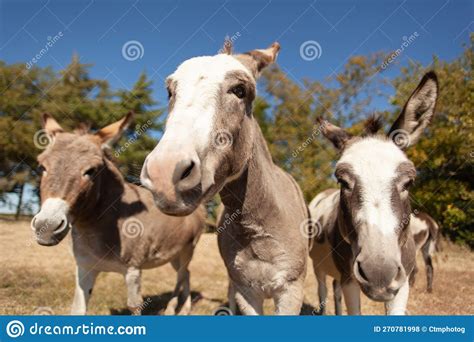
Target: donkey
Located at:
point(425, 231)
point(365, 240)
point(115, 225)
point(213, 144)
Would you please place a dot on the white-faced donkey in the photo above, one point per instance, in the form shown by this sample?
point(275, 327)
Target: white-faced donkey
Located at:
point(115, 225)
point(213, 144)
point(365, 241)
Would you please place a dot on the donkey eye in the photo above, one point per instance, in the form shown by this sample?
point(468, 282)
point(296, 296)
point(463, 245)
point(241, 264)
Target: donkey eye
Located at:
point(239, 91)
point(344, 184)
point(407, 185)
point(170, 94)
point(90, 172)
point(41, 170)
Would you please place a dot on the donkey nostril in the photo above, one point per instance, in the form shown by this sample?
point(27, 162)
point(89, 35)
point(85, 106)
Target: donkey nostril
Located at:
point(33, 223)
point(399, 273)
point(60, 227)
point(187, 171)
point(361, 272)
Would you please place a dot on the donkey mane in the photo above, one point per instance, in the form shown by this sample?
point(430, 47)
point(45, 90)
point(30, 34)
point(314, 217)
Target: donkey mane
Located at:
point(82, 129)
point(372, 125)
point(85, 129)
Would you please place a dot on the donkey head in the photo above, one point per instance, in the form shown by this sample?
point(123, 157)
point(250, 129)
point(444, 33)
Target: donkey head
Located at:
point(71, 176)
point(375, 176)
point(209, 131)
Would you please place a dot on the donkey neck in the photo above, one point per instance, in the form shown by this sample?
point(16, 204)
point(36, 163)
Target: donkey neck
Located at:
point(99, 207)
point(253, 189)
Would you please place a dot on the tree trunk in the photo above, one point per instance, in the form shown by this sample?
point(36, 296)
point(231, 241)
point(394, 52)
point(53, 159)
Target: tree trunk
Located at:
point(20, 202)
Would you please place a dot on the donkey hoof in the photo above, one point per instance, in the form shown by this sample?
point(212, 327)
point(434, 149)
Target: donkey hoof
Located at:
point(171, 307)
point(135, 310)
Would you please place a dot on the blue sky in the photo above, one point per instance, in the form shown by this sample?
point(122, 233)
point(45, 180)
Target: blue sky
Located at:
point(170, 32)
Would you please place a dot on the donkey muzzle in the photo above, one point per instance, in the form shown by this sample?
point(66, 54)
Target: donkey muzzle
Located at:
point(51, 224)
point(379, 278)
point(175, 182)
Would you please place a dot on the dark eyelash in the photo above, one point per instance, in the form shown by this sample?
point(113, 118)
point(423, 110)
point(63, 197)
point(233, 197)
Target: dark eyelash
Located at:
point(408, 185)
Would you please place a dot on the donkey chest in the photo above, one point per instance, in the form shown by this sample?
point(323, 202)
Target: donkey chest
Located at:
point(262, 263)
point(93, 253)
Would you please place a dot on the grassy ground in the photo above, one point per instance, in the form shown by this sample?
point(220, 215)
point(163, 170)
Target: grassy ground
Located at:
point(35, 279)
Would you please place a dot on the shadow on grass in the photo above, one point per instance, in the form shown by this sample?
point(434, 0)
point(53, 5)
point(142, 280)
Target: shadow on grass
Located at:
point(155, 305)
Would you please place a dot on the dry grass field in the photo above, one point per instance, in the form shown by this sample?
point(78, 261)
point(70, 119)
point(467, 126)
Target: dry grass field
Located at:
point(35, 278)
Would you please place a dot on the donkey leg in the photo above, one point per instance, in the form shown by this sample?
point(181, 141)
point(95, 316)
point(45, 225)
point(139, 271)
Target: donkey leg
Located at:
point(429, 266)
point(134, 296)
point(250, 303)
point(180, 264)
point(184, 278)
point(85, 279)
point(173, 302)
point(351, 291)
point(398, 305)
point(322, 292)
point(186, 294)
point(336, 285)
point(231, 297)
point(413, 273)
point(290, 300)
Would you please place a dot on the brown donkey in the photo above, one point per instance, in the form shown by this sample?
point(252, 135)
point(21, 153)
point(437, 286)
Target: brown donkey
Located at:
point(213, 144)
point(115, 225)
point(365, 241)
point(425, 231)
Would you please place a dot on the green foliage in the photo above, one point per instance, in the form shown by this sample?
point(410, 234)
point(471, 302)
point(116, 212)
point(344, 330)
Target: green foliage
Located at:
point(444, 157)
point(291, 129)
point(74, 99)
point(287, 115)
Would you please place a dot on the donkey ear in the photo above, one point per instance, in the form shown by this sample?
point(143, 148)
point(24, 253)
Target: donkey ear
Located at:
point(261, 58)
point(50, 125)
point(417, 112)
point(227, 47)
point(338, 136)
point(110, 134)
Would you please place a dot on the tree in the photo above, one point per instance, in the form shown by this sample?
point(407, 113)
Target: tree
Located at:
point(141, 138)
point(74, 99)
point(444, 157)
point(290, 112)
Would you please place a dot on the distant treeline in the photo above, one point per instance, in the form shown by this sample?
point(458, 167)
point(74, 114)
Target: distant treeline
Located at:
point(287, 113)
